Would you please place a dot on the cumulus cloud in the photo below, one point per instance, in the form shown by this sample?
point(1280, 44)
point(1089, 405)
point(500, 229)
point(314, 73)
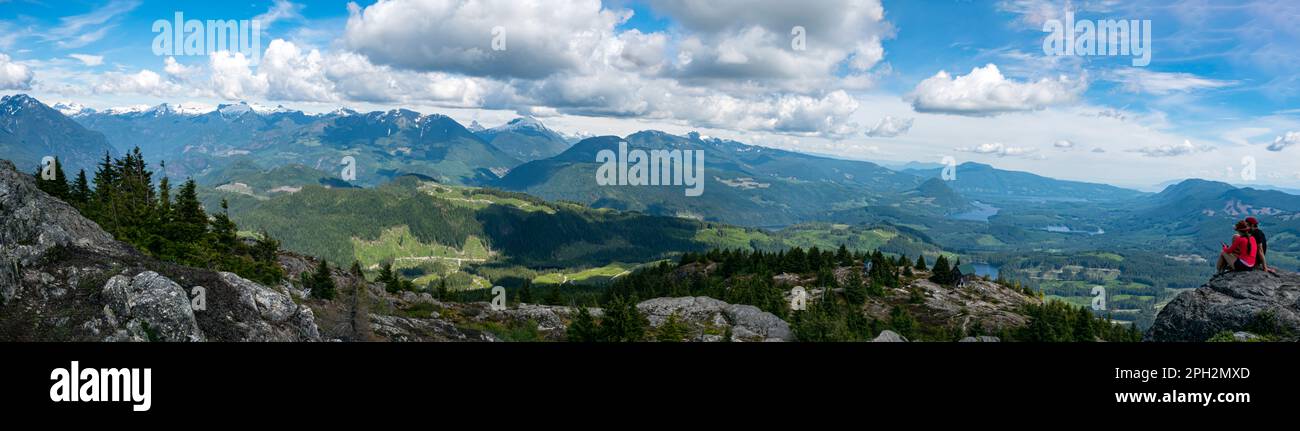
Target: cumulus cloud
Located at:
point(145, 83)
point(1001, 150)
point(541, 37)
point(1282, 142)
point(175, 68)
point(1173, 150)
point(731, 65)
point(753, 40)
point(231, 77)
point(14, 76)
point(986, 92)
point(1140, 80)
point(87, 59)
point(890, 127)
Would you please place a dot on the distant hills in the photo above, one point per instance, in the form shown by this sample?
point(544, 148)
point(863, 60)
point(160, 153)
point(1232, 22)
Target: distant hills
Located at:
point(744, 184)
point(980, 181)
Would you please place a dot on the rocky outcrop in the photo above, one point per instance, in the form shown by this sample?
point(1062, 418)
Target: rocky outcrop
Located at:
point(977, 308)
point(888, 336)
point(147, 307)
point(710, 318)
point(1254, 301)
point(63, 278)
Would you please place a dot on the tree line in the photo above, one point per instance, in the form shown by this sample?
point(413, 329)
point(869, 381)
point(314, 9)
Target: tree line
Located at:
point(125, 201)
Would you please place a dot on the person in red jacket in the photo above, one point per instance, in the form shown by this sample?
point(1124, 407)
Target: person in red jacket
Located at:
point(1240, 256)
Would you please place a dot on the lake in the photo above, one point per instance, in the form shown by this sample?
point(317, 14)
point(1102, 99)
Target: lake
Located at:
point(982, 212)
point(986, 270)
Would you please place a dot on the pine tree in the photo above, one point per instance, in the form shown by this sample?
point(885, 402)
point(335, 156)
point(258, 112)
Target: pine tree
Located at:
point(355, 270)
point(526, 292)
point(583, 328)
point(224, 233)
point(855, 290)
point(672, 330)
point(622, 321)
point(190, 222)
point(1083, 326)
point(920, 263)
point(442, 292)
point(941, 272)
point(81, 189)
point(322, 283)
point(57, 186)
point(60, 188)
point(164, 201)
point(389, 279)
point(553, 296)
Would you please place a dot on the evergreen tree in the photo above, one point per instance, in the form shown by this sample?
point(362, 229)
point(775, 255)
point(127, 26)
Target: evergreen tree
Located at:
point(941, 274)
point(583, 328)
point(224, 233)
point(553, 296)
point(58, 185)
point(855, 290)
point(920, 263)
point(1083, 326)
point(322, 284)
point(902, 322)
point(442, 292)
point(190, 222)
point(164, 201)
point(526, 292)
point(672, 330)
point(387, 277)
point(622, 321)
point(81, 190)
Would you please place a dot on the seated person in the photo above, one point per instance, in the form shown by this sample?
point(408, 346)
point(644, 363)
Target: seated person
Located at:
point(1240, 256)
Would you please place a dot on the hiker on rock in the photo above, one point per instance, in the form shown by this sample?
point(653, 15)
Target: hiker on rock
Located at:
point(1240, 256)
point(1261, 241)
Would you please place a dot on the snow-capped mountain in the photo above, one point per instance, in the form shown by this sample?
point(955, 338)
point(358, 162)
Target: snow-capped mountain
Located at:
point(72, 109)
point(524, 138)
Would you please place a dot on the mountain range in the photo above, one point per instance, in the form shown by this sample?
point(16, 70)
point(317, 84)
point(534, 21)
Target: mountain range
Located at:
point(259, 151)
point(30, 131)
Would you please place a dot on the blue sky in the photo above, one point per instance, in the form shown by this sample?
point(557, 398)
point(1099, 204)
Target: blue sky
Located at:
point(881, 80)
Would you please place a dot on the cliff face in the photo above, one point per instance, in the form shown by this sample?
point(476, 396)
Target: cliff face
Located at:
point(62, 278)
point(1254, 301)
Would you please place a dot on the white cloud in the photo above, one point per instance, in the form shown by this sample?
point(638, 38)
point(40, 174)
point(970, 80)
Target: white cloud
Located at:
point(1140, 80)
point(1173, 150)
point(1000, 150)
point(735, 40)
point(1282, 142)
point(87, 59)
point(986, 92)
point(890, 127)
point(231, 77)
point(144, 82)
point(14, 76)
point(175, 68)
point(1064, 144)
point(541, 37)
